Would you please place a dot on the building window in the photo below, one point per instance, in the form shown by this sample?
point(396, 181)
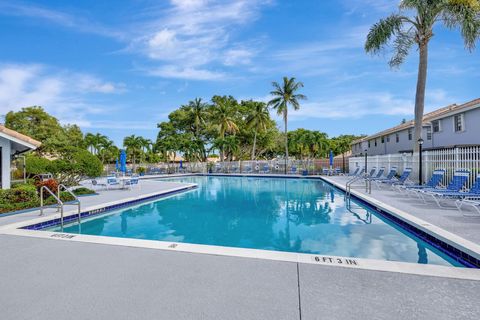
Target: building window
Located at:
point(375, 142)
point(369, 143)
point(429, 133)
point(397, 137)
point(383, 139)
point(410, 134)
point(437, 125)
point(459, 123)
point(388, 138)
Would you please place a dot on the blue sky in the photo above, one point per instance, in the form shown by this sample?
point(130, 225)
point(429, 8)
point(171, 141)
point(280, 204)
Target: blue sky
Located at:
point(119, 67)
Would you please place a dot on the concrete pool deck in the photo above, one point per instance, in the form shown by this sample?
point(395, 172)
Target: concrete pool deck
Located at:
point(47, 278)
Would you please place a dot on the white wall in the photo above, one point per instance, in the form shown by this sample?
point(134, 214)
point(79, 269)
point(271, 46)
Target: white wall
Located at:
point(5, 144)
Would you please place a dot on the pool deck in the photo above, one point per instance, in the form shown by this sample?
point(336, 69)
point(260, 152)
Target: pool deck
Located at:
point(53, 279)
point(448, 217)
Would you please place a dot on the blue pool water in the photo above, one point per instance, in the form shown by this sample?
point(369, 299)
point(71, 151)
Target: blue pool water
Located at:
point(296, 215)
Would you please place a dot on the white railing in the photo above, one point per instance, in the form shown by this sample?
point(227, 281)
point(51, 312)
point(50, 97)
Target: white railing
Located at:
point(450, 159)
point(311, 166)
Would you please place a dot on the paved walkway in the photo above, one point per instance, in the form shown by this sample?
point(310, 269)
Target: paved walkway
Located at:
point(448, 218)
point(53, 279)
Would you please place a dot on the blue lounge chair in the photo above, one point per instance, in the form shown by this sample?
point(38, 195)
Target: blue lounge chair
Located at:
point(112, 182)
point(377, 175)
point(293, 170)
point(390, 175)
point(470, 198)
point(397, 181)
point(326, 171)
point(460, 178)
point(132, 182)
point(435, 181)
point(248, 169)
point(354, 173)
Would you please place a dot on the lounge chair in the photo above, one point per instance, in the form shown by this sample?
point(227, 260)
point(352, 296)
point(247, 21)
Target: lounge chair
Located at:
point(470, 202)
point(131, 182)
point(248, 169)
point(453, 189)
point(112, 182)
point(390, 175)
point(354, 173)
point(435, 181)
point(326, 171)
point(379, 173)
point(396, 181)
point(293, 170)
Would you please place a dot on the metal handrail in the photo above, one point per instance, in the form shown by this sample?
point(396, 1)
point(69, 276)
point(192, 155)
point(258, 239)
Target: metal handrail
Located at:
point(60, 203)
point(76, 201)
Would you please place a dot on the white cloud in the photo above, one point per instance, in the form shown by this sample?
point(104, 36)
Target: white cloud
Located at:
point(63, 93)
point(193, 35)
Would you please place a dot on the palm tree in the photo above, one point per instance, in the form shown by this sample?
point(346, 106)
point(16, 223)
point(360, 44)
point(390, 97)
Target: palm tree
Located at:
point(199, 114)
point(285, 95)
point(104, 148)
point(223, 113)
point(258, 119)
point(94, 142)
point(133, 144)
point(413, 25)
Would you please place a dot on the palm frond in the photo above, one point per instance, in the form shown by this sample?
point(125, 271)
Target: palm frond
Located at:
point(402, 45)
point(381, 33)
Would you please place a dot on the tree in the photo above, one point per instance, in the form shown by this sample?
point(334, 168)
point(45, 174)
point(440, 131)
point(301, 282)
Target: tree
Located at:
point(223, 114)
point(413, 25)
point(94, 142)
point(133, 144)
point(38, 124)
point(199, 114)
point(285, 95)
point(257, 120)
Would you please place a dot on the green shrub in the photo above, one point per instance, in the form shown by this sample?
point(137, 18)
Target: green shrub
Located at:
point(19, 198)
point(74, 165)
point(141, 170)
point(83, 191)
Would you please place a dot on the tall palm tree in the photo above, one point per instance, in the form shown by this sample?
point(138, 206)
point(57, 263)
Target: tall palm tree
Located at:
point(133, 144)
point(257, 119)
point(199, 114)
point(413, 25)
point(224, 113)
point(285, 95)
point(94, 142)
point(104, 147)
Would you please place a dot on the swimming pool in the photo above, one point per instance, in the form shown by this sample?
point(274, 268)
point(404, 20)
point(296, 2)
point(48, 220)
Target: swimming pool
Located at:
point(294, 215)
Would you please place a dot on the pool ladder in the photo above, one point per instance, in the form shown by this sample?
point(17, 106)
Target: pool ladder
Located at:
point(348, 186)
point(60, 203)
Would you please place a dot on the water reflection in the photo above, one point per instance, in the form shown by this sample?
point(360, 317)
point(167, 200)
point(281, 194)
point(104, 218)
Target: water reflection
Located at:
point(294, 215)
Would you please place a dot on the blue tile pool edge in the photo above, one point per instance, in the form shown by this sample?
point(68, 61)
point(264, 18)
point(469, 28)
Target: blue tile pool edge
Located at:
point(91, 213)
point(454, 253)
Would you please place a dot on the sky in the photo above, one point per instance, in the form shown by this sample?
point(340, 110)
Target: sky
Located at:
point(120, 67)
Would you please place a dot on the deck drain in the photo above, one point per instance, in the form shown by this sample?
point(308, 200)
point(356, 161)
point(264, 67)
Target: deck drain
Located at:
point(173, 245)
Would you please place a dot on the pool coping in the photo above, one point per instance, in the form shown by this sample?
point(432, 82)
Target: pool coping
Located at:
point(348, 262)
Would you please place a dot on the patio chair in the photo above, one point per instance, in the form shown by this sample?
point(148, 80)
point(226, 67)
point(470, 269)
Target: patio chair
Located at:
point(453, 189)
point(325, 171)
point(293, 170)
point(435, 181)
point(396, 181)
point(354, 173)
point(112, 182)
point(132, 182)
point(390, 175)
